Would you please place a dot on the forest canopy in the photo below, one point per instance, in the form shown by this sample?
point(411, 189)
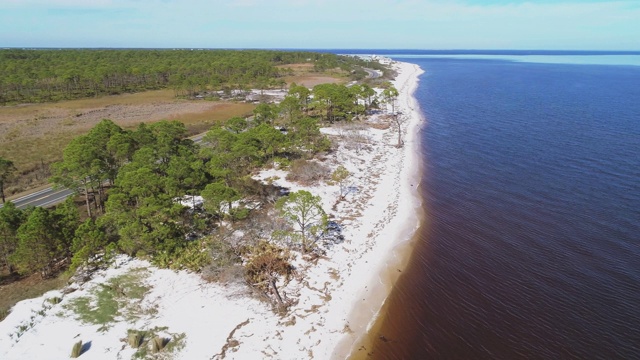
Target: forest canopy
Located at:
point(28, 76)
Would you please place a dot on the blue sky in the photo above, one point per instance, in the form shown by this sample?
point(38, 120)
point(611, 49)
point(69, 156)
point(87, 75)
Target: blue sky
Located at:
point(398, 24)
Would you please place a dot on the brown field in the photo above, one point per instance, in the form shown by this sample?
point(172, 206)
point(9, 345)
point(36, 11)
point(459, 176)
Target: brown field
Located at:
point(311, 81)
point(12, 291)
point(304, 74)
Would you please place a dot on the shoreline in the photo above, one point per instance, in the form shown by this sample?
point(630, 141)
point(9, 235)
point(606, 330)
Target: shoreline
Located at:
point(338, 296)
point(395, 254)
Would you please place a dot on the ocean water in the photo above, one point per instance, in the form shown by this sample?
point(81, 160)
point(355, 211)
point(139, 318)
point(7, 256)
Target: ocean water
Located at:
point(531, 248)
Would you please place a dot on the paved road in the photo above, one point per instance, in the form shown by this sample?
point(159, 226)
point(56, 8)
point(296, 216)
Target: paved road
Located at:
point(372, 74)
point(44, 198)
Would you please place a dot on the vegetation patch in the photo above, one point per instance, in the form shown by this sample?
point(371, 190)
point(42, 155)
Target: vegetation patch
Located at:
point(155, 343)
point(109, 301)
point(307, 172)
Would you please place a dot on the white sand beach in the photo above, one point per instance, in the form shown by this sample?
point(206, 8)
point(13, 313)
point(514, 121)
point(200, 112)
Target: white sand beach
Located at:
point(338, 296)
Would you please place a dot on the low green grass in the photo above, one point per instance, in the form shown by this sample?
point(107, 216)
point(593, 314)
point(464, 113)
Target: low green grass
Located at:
point(109, 301)
point(104, 311)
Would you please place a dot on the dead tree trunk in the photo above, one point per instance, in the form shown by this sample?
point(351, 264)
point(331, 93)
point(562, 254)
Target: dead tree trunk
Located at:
point(86, 199)
point(400, 142)
point(275, 291)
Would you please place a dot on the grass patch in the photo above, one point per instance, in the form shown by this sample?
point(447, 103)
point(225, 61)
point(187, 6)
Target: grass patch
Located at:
point(13, 290)
point(103, 312)
point(112, 300)
point(130, 284)
point(312, 79)
point(176, 343)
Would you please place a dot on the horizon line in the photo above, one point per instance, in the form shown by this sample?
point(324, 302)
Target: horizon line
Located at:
point(476, 50)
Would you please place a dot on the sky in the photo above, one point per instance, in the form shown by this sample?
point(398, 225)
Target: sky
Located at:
point(327, 24)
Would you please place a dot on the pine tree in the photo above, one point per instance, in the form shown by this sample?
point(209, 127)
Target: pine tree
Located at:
point(10, 220)
point(6, 171)
point(39, 244)
point(304, 211)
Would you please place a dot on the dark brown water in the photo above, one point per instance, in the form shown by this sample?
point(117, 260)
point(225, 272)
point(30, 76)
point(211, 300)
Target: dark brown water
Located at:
point(532, 190)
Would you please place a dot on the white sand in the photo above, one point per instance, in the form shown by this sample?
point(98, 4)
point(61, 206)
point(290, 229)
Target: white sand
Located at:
point(337, 297)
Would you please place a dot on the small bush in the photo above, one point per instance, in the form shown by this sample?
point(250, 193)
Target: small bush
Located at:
point(54, 300)
point(135, 339)
point(158, 344)
point(223, 264)
point(307, 172)
point(191, 257)
point(270, 180)
point(76, 351)
point(266, 265)
point(281, 162)
point(239, 213)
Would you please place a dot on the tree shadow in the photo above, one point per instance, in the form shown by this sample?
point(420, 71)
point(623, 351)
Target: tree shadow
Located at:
point(7, 278)
point(85, 347)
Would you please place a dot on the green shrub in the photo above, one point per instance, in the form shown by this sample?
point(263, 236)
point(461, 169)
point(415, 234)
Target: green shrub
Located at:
point(191, 257)
point(54, 300)
point(239, 213)
point(281, 162)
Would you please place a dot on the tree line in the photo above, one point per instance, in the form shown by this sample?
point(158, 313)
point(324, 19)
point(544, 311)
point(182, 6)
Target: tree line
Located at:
point(28, 76)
